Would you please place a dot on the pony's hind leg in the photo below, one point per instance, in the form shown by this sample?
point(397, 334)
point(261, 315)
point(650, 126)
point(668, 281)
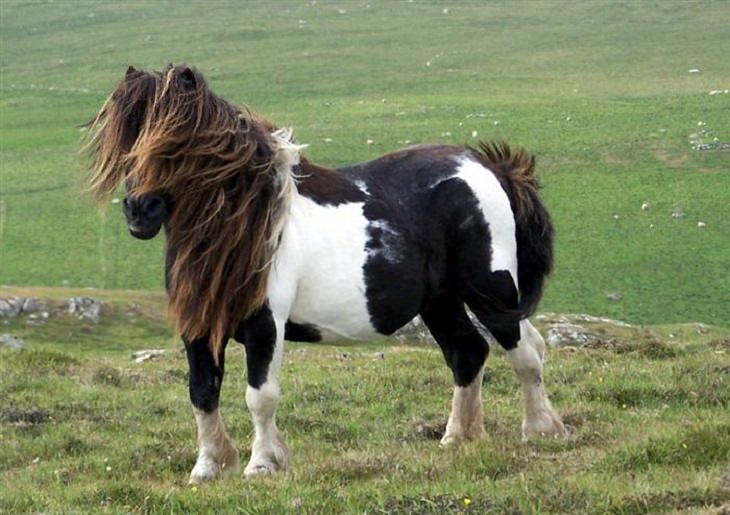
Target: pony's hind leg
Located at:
point(526, 358)
point(525, 348)
point(263, 338)
point(465, 351)
point(216, 453)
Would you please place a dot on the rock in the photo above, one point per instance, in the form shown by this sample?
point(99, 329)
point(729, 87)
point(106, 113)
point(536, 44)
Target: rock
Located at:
point(414, 332)
point(701, 225)
point(11, 341)
point(145, 355)
point(85, 308)
point(32, 305)
point(570, 335)
point(12, 307)
point(614, 296)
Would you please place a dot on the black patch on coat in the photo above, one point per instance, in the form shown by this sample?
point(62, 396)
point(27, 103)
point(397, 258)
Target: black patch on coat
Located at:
point(205, 377)
point(464, 349)
point(295, 332)
point(258, 335)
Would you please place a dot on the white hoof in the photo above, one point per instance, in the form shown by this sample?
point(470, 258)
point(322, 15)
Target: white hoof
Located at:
point(268, 457)
point(456, 437)
point(260, 468)
point(207, 469)
point(543, 423)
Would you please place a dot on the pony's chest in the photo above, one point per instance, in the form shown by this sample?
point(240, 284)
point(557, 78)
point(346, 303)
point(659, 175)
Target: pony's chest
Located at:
point(329, 246)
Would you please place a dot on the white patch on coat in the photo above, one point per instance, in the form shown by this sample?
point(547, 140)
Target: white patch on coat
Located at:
point(362, 187)
point(390, 242)
point(497, 211)
point(324, 247)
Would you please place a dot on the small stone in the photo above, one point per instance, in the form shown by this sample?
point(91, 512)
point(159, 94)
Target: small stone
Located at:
point(569, 335)
point(85, 308)
point(146, 355)
point(701, 225)
point(614, 296)
point(11, 308)
point(116, 200)
point(677, 214)
point(369, 142)
point(32, 305)
point(645, 206)
point(11, 341)
point(474, 134)
point(693, 70)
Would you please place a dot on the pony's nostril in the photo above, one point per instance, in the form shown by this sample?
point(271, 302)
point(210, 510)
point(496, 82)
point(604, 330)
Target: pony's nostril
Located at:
point(153, 206)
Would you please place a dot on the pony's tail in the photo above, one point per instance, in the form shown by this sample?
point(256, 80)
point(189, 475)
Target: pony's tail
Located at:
point(533, 227)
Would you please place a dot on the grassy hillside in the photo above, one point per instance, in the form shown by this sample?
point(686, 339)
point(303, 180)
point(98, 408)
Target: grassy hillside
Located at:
point(83, 428)
point(600, 91)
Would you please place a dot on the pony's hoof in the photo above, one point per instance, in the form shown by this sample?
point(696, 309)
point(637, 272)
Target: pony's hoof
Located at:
point(545, 423)
point(207, 469)
point(259, 469)
point(450, 439)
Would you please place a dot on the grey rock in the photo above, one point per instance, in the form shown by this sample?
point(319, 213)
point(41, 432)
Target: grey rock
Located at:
point(11, 307)
point(11, 341)
point(614, 296)
point(32, 305)
point(414, 332)
point(570, 335)
point(146, 355)
point(85, 308)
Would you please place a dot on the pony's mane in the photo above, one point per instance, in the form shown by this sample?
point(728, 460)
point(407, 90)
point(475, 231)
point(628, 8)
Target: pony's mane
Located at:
point(228, 175)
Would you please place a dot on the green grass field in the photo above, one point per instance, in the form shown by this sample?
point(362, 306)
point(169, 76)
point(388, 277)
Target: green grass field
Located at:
point(83, 428)
point(599, 90)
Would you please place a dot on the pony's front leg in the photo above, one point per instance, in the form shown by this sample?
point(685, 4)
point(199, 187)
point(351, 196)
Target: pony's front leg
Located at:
point(263, 337)
point(216, 453)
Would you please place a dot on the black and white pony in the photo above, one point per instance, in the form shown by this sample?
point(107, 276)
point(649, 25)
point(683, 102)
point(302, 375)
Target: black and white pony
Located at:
point(264, 246)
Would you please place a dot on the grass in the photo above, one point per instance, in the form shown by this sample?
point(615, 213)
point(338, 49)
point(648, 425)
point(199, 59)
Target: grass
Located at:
point(600, 91)
point(83, 428)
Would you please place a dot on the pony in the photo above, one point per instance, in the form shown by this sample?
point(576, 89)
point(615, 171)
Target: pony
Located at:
point(263, 245)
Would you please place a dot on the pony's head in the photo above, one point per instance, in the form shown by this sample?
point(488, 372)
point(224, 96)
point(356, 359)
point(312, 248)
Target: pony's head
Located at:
point(213, 174)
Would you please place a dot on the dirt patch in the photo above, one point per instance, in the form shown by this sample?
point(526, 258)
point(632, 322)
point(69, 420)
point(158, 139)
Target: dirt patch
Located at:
point(427, 430)
point(671, 501)
point(23, 416)
point(646, 345)
point(721, 344)
point(441, 504)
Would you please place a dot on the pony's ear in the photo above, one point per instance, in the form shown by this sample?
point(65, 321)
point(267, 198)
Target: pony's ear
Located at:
point(187, 75)
point(130, 71)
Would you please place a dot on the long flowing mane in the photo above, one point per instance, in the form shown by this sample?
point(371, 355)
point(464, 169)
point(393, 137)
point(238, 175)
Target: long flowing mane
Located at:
point(227, 173)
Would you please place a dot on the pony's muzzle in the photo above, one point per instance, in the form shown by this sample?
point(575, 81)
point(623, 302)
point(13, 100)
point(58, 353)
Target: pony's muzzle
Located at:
point(145, 215)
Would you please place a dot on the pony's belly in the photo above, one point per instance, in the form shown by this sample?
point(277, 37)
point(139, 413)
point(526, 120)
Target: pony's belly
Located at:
point(337, 310)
